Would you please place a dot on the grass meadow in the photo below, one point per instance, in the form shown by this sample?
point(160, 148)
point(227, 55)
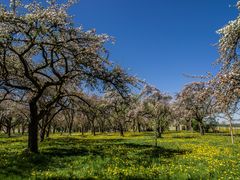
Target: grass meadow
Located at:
point(179, 155)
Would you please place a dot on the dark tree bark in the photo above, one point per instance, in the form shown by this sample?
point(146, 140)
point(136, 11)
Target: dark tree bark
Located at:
point(9, 131)
point(159, 132)
point(23, 129)
point(18, 128)
point(54, 129)
point(121, 130)
point(42, 134)
point(93, 130)
point(33, 129)
point(139, 127)
point(48, 130)
point(178, 127)
point(201, 128)
point(159, 129)
point(82, 130)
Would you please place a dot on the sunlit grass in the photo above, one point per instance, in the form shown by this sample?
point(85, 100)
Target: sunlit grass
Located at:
point(109, 156)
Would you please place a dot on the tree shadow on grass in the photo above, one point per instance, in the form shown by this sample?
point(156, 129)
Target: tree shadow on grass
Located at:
point(68, 146)
point(67, 149)
point(21, 164)
point(156, 152)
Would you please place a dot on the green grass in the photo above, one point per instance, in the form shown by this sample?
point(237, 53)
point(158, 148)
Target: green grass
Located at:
point(178, 156)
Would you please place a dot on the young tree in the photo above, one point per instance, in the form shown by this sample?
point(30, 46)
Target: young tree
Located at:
point(10, 116)
point(119, 110)
point(156, 106)
point(45, 122)
point(81, 121)
point(103, 114)
point(41, 50)
point(180, 116)
point(196, 98)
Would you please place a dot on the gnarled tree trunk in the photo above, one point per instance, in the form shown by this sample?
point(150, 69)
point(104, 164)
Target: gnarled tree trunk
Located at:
point(121, 129)
point(33, 129)
point(201, 128)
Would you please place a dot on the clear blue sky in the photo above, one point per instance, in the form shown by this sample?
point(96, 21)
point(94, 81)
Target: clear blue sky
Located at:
point(159, 39)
